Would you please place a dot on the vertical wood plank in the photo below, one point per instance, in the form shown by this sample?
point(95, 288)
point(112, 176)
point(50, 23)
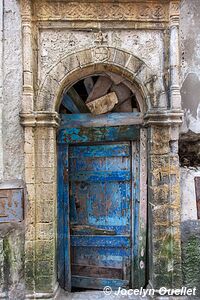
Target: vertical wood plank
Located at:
point(66, 212)
point(69, 104)
point(197, 189)
point(64, 268)
point(100, 88)
point(80, 104)
point(60, 228)
point(135, 213)
point(88, 82)
point(142, 248)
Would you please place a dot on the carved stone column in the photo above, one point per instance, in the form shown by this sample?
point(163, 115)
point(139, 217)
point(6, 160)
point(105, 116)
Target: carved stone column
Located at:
point(164, 201)
point(27, 97)
point(41, 203)
point(174, 64)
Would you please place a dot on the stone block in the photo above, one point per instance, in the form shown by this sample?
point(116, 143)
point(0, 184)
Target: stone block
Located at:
point(159, 195)
point(44, 145)
point(30, 175)
point(159, 140)
point(30, 190)
point(30, 212)
point(30, 232)
point(121, 57)
point(44, 284)
point(45, 160)
point(134, 64)
point(45, 133)
point(44, 268)
point(84, 57)
point(45, 250)
point(45, 191)
point(29, 269)
point(161, 215)
point(29, 160)
point(71, 62)
point(28, 147)
point(29, 284)
point(45, 231)
point(29, 250)
point(45, 99)
point(59, 71)
point(44, 211)
point(45, 175)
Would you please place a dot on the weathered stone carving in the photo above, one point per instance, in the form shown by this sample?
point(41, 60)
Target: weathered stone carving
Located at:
point(101, 53)
point(101, 38)
point(72, 42)
point(96, 11)
point(175, 8)
point(56, 44)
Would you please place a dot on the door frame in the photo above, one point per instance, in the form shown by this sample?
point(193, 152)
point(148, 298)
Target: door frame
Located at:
point(73, 130)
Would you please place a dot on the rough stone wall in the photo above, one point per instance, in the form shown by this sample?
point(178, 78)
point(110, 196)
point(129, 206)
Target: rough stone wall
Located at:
point(191, 254)
point(12, 261)
point(12, 132)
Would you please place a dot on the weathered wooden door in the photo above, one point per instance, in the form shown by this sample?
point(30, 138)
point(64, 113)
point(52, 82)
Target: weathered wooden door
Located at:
point(100, 214)
point(98, 196)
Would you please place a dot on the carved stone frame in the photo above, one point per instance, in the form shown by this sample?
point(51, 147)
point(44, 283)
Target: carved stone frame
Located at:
point(40, 119)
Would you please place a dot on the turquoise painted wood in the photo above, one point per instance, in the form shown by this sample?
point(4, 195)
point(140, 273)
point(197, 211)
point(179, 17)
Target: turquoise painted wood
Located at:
point(69, 104)
point(98, 134)
point(97, 205)
point(63, 241)
point(105, 120)
point(100, 195)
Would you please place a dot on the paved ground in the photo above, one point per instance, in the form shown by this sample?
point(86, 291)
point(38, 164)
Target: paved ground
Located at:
point(97, 295)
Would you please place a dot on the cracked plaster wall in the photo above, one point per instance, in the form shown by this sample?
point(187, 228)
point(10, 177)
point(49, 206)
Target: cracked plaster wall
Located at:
point(190, 64)
point(11, 164)
point(190, 92)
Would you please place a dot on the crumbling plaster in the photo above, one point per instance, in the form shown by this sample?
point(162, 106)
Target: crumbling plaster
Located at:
point(190, 65)
point(188, 194)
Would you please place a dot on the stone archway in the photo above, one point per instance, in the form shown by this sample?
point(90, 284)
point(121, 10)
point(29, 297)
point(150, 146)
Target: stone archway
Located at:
point(41, 168)
point(96, 60)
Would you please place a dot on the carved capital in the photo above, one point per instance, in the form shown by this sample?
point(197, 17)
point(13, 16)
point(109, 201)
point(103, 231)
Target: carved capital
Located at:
point(37, 118)
point(26, 10)
point(163, 118)
point(174, 12)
